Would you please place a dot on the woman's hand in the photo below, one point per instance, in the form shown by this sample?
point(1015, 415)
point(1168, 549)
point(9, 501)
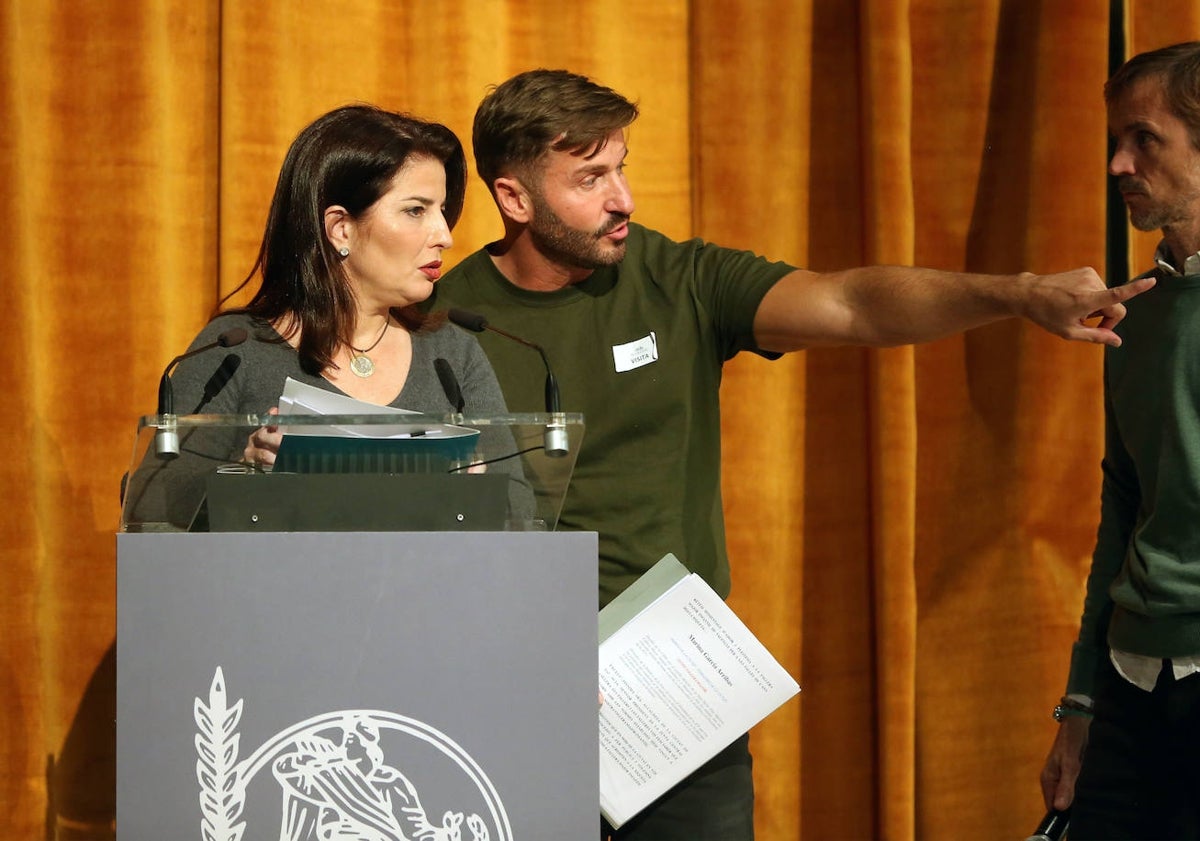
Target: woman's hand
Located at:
point(263, 445)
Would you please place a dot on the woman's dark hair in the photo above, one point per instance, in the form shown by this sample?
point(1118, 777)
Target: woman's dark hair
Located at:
point(347, 157)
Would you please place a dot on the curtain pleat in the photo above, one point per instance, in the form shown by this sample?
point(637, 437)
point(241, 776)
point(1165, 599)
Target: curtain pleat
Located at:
point(109, 191)
point(1010, 478)
point(887, 131)
point(750, 137)
point(909, 528)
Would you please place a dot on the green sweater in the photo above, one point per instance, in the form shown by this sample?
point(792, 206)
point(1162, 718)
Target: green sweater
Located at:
point(647, 478)
point(1143, 593)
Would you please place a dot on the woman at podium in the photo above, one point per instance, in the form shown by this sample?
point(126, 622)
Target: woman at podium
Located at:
point(363, 209)
point(362, 212)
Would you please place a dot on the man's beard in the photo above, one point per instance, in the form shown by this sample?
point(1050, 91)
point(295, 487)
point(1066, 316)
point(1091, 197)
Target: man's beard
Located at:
point(1154, 215)
point(573, 246)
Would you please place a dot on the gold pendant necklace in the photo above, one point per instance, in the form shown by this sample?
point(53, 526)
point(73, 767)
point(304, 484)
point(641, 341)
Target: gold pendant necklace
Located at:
point(360, 363)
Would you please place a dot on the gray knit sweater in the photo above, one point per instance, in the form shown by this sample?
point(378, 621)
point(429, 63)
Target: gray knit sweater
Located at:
point(171, 491)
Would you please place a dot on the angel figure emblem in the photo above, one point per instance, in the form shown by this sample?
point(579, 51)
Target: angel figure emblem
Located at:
point(342, 790)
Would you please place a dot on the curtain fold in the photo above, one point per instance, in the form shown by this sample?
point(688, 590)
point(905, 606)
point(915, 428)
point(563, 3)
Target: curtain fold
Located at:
point(751, 166)
point(909, 528)
point(887, 131)
point(108, 148)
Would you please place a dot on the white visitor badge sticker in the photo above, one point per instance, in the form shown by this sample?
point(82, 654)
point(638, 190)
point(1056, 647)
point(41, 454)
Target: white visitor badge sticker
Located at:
point(635, 354)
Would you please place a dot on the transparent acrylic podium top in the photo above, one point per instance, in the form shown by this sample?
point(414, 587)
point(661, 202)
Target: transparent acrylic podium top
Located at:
point(187, 469)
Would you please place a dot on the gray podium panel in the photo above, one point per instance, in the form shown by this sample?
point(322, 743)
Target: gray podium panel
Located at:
point(388, 686)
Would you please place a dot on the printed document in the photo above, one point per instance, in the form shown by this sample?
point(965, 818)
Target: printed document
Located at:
point(682, 677)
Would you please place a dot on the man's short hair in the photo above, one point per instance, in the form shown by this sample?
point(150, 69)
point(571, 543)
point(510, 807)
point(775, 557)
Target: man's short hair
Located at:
point(1178, 68)
point(540, 111)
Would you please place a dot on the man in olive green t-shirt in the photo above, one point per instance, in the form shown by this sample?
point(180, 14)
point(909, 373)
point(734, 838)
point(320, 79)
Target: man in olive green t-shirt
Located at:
point(637, 328)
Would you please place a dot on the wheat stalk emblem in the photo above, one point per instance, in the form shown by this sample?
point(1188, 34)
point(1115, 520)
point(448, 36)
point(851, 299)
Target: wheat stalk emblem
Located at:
point(222, 794)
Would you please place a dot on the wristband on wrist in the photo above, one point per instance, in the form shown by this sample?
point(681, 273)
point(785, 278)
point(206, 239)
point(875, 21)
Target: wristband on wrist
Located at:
point(1069, 706)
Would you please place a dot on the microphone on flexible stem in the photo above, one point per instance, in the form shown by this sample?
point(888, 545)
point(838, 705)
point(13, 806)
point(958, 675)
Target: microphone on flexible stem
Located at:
point(166, 440)
point(218, 380)
point(556, 441)
point(1052, 827)
point(449, 384)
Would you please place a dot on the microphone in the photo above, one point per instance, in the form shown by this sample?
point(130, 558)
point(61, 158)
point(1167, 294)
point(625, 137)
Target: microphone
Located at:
point(218, 380)
point(166, 440)
point(1052, 827)
point(556, 430)
point(449, 384)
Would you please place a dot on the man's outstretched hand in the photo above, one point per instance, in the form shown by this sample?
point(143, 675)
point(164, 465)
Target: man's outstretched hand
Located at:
point(1064, 303)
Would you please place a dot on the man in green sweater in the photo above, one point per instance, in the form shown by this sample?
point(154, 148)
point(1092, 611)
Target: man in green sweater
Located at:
point(637, 328)
point(1135, 662)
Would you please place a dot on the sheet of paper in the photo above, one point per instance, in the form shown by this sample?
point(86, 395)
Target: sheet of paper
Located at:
point(681, 681)
point(302, 399)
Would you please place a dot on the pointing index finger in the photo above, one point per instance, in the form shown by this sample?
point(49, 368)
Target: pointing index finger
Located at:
point(1128, 290)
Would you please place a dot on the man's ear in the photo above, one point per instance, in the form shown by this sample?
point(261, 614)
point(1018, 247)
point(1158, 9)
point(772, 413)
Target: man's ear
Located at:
point(339, 227)
point(513, 199)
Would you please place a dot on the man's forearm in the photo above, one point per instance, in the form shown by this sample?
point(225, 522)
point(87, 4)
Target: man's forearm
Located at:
point(881, 306)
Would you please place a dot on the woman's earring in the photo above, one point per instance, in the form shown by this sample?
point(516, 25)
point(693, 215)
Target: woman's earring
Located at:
point(344, 251)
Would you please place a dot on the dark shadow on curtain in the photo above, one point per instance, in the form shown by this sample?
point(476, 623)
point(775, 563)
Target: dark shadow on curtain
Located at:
point(1001, 208)
point(1116, 231)
point(839, 736)
point(83, 777)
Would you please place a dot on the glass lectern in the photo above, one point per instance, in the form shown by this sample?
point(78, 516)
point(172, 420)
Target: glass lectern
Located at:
point(363, 472)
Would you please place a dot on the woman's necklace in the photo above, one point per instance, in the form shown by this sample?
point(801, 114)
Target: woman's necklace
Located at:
point(360, 363)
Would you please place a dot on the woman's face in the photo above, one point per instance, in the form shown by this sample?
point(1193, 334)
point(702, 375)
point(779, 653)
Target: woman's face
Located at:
point(396, 245)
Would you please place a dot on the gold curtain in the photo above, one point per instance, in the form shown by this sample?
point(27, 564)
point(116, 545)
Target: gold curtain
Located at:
point(909, 528)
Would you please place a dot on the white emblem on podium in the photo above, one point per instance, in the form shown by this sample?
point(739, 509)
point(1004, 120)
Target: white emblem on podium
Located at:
point(334, 778)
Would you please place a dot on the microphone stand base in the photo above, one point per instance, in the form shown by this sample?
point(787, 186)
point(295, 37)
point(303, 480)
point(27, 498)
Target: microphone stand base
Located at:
point(555, 439)
point(166, 441)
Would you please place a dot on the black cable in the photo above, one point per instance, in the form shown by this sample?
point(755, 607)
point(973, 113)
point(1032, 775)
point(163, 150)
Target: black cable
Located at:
point(496, 459)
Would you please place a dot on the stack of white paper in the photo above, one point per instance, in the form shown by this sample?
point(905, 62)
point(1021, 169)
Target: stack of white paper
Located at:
point(682, 677)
